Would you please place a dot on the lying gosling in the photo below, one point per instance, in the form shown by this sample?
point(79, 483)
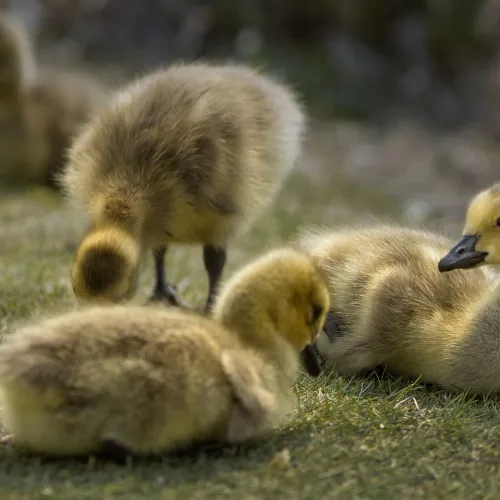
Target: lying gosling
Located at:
point(154, 380)
point(189, 154)
point(394, 309)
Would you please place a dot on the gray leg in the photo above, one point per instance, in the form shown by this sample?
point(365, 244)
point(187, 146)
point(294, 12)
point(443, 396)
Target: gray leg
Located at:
point(214, 259)
point(163, 290)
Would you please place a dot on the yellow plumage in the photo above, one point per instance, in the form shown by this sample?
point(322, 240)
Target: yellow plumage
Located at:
point(153, 379)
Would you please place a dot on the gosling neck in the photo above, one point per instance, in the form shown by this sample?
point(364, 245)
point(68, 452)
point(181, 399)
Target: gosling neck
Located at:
point(255, 328)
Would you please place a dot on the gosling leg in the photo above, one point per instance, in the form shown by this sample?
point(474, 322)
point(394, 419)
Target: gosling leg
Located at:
point(214, 258)
point(114, 451)
point(163, 290)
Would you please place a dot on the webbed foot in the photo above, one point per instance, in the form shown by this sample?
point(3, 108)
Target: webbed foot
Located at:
point(167, 293)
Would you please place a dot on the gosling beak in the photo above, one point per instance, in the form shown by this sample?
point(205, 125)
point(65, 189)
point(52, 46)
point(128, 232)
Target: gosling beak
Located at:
point(462, 256)
point(310, 360)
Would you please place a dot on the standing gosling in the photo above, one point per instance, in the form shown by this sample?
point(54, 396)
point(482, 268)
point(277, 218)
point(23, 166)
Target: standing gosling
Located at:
point(396, 310)
point(189, 154)
point(480, 242)
point(155, 380)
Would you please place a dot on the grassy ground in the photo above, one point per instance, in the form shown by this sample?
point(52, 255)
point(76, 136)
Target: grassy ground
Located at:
point(377, 437)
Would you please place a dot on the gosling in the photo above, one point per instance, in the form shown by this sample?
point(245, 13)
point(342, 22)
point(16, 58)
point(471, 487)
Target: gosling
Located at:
point(392, 308)
point(154, 380)
point(40, 109)
point(189, 154)
point(18, 66)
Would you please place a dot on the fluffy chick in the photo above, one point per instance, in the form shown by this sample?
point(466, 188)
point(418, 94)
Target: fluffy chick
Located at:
point(480, 242)
point(40, 111)
point(154, 380)
point(189, 154)
point(396, 310)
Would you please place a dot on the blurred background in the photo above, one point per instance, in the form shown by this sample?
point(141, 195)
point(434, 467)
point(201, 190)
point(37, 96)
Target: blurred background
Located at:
point(403, 94)
point(356, 58)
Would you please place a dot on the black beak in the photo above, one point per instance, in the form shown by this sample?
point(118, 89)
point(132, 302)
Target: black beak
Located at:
point(310, 360)
point(462, 256)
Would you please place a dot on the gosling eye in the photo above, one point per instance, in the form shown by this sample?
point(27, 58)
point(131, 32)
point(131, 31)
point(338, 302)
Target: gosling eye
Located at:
point(497, 223)
point(315, 312)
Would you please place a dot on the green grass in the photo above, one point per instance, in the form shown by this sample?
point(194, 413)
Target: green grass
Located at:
point(372, 437)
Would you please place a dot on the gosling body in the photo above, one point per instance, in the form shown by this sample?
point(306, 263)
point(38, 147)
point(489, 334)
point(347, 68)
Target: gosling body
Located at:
point(190, 155)
point(155, 380)
point(394, 309)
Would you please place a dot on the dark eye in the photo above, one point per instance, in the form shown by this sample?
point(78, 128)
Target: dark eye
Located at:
point(498, 222)
point(315, 313)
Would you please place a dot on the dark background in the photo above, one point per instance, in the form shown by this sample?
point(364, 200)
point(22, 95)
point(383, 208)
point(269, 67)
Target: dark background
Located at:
point(403, 95)
point(435, 59)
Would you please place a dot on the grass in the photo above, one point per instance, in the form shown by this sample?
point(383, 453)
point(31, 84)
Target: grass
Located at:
point(372, 437)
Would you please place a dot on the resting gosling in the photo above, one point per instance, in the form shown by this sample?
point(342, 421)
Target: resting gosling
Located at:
point(480, 242)
point(40, 110)
point(189, 154)
point(393, 308)
point(154, 380)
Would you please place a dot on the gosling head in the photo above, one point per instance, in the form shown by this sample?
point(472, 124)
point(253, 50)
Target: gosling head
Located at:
point(106, 266)
point(283, 288)
point(299, 300)
point(480, 242)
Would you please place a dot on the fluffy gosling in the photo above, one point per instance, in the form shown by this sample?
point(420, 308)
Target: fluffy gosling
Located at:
point(189, 154)
point(394, 309)
point(156, 380)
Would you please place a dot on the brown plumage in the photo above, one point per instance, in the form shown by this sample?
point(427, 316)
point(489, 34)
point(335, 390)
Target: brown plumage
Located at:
point(395, 309)
point(188, 154)
point(155, 380)
point(40, 110)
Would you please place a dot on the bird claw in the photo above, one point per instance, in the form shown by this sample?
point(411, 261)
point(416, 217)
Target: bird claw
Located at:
point(168, 295)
